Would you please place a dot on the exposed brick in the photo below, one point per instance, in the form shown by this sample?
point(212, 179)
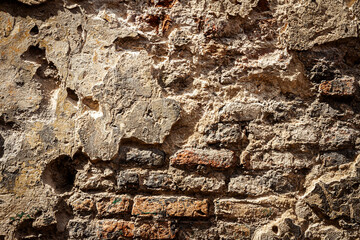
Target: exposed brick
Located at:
point(201, 183)
point(83, 205)
point(338, 137)
point(137, 156)
point(244, 211)
point(157, 230)
point(344, 87)
point(271, 181)
point(160, 180)
point(113, 205)
point(233, 231)
point(127, 180)
point(78, 229)
point(212, 158)
point(113, 229)
point(170, 206)
point(197, 230)
point(330, 159)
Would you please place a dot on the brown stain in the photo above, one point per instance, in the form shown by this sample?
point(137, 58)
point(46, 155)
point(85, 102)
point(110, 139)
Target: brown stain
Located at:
point(350, 3)
point(90, 103)
point(95, 57)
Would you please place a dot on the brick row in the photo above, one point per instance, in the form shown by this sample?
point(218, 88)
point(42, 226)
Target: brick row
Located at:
point(151, 213)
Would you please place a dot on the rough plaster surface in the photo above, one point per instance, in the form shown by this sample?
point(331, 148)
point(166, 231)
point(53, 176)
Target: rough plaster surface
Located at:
point(179, 119)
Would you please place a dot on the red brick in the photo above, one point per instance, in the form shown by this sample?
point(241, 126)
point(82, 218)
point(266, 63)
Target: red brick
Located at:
point(113, 229)
point(344, 87)
point(212, 158)
point(113, 205)
point(170, 206)
point(156, 230)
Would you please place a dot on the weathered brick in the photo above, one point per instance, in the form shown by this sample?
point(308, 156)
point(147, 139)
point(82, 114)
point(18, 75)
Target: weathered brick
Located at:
point(156, 230)
point(244, 211)
point(170, 206)
point(199, 230)
point(160, 180)
point(95, 178)
point(271, 181)
point(81, 229)
point(201, 183)
point(276, 160)
point(338, 137)
point(137, 156)
point(113, 205)
point(240, 112)
point(233, 231)
point(344, 87)
point(83, 205)
point(330, 159)
point(113, 229)
point(127, 180)
point(212, 158)
point(226, 135)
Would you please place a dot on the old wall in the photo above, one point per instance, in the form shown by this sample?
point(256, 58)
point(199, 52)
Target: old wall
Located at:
point(179, 119)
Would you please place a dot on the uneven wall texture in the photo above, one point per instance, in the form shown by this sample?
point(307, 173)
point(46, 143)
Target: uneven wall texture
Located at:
point(179, 119)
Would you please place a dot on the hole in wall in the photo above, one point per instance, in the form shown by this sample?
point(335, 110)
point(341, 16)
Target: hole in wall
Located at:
point(71, 94)
point(275, 229)
point(34, 31)
point(34, 54)
point(79, 29)
point(60, 174)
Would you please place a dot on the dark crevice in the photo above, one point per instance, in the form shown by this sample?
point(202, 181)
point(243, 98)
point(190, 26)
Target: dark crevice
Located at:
point(41, 12)
point(35, 54)
point(263, 6)
point(2, 149)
